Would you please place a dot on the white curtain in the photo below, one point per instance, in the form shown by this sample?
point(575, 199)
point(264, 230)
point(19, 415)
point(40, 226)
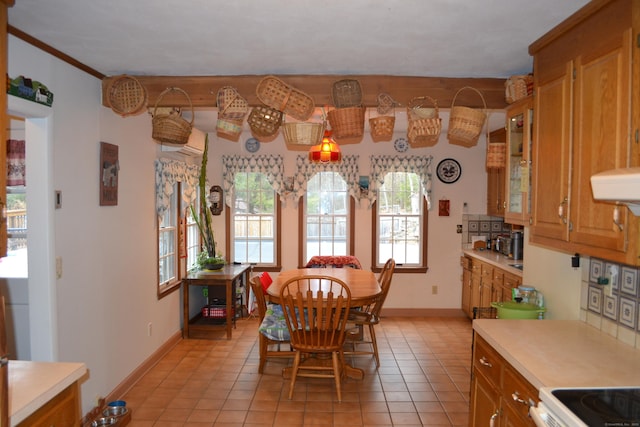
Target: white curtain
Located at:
point(381, 165)
point(168, 172)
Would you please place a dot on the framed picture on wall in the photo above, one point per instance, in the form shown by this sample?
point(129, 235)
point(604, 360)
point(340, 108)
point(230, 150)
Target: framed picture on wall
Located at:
point(109, 168)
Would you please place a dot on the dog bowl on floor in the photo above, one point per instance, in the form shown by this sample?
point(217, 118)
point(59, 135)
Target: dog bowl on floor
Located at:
point(114, 411)
point(105, 421)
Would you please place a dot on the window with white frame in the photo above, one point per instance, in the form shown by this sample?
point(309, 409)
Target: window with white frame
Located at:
point(400, 188)
point(326, 219)
point(192, 237)
point(254, 219)
point(400, 216)
point(168, 241)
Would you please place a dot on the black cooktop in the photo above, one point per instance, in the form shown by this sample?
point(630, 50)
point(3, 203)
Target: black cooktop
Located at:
point(606, 407)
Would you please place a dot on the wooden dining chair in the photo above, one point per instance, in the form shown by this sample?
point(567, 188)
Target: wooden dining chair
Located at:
point(273, 331)
point(369, 316)
point(316, 308)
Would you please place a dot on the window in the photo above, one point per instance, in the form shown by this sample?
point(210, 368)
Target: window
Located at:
point(255, 214)
point(192, 235)
point(167, 242)
point(400, 218)
point(327, 209)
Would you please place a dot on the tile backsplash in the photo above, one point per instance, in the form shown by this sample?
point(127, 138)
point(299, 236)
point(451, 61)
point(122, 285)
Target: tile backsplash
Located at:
point(610, 299)
point(482, 225)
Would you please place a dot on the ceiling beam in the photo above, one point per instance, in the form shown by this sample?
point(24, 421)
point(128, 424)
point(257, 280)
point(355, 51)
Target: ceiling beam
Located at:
point(203, 89)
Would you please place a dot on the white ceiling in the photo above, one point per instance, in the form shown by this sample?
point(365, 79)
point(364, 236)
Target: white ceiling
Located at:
point(429, 38)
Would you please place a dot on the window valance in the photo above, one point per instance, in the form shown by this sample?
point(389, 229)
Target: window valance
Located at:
point(270, 165)
point(168, 172)
point(305, 170)
point(381, 165)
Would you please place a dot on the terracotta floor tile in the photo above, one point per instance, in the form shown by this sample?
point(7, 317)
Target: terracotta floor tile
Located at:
point(423, 380)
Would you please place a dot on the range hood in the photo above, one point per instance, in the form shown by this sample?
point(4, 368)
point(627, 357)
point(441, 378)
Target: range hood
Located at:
point(618, 185)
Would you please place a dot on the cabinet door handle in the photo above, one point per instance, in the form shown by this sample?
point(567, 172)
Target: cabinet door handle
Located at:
point(616, 218)
point(516, 398)
point(484, 362)
point(561, 210)
point(492, 421)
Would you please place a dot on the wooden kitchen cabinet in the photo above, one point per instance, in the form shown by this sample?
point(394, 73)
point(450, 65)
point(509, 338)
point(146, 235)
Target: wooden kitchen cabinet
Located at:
point(467, 308)
point(500, 396)
point(496, 181)
point(585, 90)
point(518, 157)
point(61, 411)
point(484, 283)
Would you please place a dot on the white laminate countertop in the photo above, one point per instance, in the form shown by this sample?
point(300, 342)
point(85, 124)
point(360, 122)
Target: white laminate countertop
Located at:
point(496, 259)
point(32, 384)
point(562, 353)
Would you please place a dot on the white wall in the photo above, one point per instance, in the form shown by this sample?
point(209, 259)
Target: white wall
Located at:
point(101, 306)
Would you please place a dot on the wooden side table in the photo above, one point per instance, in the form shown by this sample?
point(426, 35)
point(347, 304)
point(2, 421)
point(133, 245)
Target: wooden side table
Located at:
point(229, 277)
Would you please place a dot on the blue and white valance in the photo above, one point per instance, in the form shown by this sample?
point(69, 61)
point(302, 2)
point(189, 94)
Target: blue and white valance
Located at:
point(305, 170)
point(168, 172)
point(272, 166)
point(381, 165)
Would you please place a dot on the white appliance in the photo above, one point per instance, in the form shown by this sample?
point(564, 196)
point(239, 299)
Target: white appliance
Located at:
point(193, 147)
point(618, 185)
point(587, 407)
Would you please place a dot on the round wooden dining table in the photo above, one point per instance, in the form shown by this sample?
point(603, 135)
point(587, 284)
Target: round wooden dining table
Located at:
point(363, 285)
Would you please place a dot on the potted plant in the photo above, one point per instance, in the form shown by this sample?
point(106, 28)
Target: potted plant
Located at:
point(207, 259)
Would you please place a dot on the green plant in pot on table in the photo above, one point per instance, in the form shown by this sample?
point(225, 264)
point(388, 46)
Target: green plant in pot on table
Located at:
point(208, 259)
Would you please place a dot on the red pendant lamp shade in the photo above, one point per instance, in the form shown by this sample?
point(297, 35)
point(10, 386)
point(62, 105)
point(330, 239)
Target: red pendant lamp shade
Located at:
point(327, 151)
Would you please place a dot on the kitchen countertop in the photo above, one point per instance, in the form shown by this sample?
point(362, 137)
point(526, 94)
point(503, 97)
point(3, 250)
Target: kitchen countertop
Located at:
point(562, 353)
point(32, 384)
point(494, 258)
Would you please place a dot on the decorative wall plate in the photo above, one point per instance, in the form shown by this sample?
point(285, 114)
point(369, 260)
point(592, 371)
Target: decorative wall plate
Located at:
point(449, 171)
point(401, 145)
point(252, 145)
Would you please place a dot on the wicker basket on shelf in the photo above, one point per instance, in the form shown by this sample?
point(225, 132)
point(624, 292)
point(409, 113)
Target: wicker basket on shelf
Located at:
point(347, 93)
point(171, 127)
point(264, 121)
point(126, 96)
point(465, 124)
point(423, 122)
point(230, 104)
point(278, 95)
point(518, 87)
point(347, 122)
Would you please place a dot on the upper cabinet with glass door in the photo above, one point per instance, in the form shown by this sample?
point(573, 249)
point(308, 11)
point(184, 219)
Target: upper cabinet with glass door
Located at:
point(518, 179)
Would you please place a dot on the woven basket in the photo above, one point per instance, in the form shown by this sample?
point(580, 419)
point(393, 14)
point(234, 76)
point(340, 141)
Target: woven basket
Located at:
point(229, 128)
point(303, 134)
point(264, 121)
point(171, 127)
point(278, 95)
point(465, 124)
point(126, 96)
point(496, 155)
point(230, 104)
point(518, 87)
point(381, 128)
point(423, 122)
point(347, 93)
point(347, 122)
point(385, 103)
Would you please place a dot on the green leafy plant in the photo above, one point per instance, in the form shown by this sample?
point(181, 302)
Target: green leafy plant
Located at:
point(203, 219)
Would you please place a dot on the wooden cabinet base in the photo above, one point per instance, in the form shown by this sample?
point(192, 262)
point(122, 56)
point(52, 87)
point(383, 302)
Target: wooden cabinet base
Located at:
point(61, 411)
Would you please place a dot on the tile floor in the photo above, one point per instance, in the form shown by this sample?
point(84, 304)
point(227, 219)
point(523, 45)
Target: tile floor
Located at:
point(423, 380)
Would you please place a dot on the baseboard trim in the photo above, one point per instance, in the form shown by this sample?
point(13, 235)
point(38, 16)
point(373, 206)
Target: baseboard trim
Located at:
point(423, 312)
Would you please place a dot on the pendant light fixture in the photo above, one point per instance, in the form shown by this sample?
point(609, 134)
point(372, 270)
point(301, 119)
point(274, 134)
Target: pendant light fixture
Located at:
point(327, 151)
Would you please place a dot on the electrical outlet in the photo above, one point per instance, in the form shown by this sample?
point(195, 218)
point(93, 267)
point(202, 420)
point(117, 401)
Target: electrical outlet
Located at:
point(58, 267)
point(434, 290)
point(149, 329)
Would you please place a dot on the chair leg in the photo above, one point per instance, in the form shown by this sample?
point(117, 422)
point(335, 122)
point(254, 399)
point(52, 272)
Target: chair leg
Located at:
point(263, 352)
point(337, 372)
point(294, 373)
point(374, 344)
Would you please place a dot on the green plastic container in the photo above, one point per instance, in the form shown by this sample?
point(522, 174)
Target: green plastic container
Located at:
point(515, 310)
